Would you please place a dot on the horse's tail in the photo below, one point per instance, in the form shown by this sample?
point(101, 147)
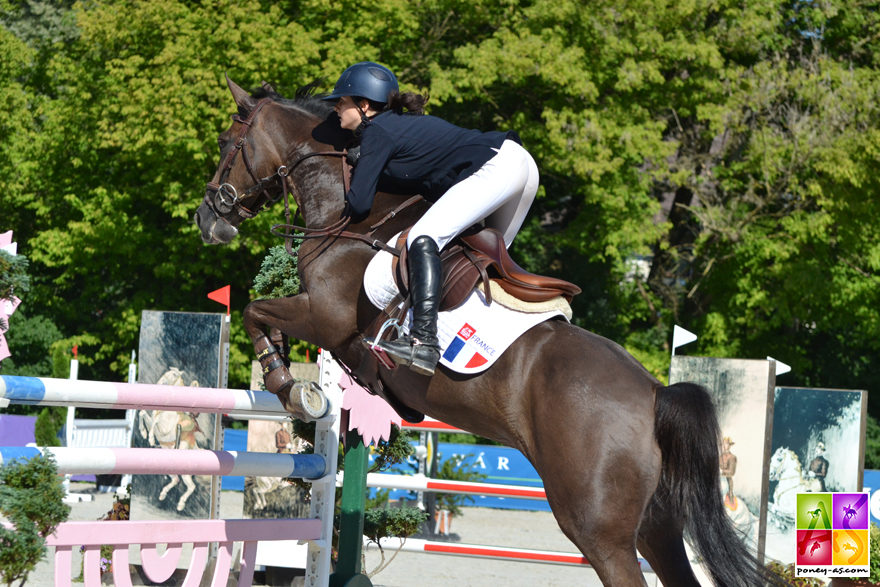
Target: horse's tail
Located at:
point(687, 430)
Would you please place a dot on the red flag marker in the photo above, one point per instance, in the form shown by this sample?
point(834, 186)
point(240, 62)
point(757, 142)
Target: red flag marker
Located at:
point(74, 351)
point(221, 296)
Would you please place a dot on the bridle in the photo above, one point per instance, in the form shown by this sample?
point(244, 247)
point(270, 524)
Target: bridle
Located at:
point(223, 194)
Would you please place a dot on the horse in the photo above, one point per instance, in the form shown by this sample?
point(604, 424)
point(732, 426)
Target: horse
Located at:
point(627, 462)
point(785, 469)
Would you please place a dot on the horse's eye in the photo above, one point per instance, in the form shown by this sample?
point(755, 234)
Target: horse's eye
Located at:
point(222, 144)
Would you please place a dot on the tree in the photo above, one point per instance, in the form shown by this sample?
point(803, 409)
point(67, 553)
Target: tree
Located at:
point(705, 163)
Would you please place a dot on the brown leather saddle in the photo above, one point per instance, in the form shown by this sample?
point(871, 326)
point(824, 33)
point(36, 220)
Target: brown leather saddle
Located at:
point(477, 255)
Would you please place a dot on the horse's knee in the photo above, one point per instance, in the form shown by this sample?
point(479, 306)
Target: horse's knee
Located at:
point(252, 318)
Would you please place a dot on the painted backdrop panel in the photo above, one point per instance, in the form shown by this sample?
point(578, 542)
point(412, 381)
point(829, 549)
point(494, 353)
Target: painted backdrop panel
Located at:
point(818, 445)
point(742, 391)
point(184, 349)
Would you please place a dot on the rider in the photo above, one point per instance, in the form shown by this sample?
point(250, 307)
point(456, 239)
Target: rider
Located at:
point(819, 466)
point(470, 176)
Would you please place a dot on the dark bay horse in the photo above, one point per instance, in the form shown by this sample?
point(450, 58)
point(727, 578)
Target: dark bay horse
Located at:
point(627, 462)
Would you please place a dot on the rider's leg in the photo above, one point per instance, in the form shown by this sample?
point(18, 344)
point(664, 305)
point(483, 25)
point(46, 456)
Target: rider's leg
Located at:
point(503, 181)
point(419, 351)
point(509, 218)
point(507, 179)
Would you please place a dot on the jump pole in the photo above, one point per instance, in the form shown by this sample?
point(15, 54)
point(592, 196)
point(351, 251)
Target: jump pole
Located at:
point(45, 391)
point(318, 530)
point(158, 461)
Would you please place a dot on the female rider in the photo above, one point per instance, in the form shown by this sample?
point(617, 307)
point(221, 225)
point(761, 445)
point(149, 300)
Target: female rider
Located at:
point(469, 176)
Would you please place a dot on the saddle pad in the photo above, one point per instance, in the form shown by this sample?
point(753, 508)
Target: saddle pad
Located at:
point(473, 335)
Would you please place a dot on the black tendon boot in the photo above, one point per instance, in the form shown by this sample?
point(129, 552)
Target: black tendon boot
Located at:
point(419, 350)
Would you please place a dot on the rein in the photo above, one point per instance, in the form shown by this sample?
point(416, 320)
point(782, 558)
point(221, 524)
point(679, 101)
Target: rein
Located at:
point(225, 194)
point(337, 229)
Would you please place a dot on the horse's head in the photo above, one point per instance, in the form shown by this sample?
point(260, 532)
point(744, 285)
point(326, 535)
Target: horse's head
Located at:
point(783, 460)
point(266, 134)
point(777, 463)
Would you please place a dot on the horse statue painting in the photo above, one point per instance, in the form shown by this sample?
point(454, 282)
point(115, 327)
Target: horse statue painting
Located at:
point(627, 462)
point(786, 470)
point(172, 430)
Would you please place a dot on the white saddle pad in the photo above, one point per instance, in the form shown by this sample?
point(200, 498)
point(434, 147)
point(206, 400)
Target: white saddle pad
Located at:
point(472, 336)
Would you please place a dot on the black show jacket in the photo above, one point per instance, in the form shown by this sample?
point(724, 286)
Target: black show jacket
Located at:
point(422, 153)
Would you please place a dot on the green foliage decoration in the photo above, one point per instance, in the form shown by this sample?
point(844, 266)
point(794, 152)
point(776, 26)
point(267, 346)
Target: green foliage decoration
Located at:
point(393, 522)
point(32, 499)
point(278, 275)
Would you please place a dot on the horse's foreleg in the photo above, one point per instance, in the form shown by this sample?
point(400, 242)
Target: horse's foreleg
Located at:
point(293, 317)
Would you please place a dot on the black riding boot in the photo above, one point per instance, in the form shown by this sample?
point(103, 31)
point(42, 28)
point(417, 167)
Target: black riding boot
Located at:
point(419, 350)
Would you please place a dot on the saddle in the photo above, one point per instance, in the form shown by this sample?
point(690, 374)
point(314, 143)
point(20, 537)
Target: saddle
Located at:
point(476, 255)
point(479, 255)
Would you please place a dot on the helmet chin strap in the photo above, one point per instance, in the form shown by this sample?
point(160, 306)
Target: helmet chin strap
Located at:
point(364, 120)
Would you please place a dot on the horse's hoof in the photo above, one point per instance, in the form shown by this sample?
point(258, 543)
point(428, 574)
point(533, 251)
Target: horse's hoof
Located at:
point(305, 401)
point(310, 398)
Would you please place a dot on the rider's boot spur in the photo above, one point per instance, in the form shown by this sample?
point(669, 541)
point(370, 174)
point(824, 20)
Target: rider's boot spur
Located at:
point(420, 350)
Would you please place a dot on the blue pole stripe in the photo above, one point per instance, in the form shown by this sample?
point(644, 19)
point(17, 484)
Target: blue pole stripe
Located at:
point(22, 389)
point(309, 466)
point(12, 453)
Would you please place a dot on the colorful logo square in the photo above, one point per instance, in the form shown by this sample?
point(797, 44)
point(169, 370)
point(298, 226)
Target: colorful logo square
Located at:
point(814, 511)
point(850, 511)
point(850, 547)
point(814, 547)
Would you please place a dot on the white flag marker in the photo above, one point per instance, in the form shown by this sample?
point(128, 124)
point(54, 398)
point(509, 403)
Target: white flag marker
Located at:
point(780, 366)
point(681, 337)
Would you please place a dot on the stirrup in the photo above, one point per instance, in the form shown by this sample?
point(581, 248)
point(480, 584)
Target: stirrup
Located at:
point(378, 351)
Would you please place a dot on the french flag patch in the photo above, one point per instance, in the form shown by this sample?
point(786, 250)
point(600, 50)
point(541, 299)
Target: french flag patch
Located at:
point(458, 343)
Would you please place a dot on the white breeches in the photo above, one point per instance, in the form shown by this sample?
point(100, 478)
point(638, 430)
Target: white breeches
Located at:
point(500, 192)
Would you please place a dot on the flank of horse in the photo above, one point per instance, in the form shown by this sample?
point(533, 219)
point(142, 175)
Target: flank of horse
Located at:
point(627, 462)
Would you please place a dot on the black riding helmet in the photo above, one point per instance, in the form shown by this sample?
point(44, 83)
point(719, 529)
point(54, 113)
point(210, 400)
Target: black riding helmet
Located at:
point(365, 80)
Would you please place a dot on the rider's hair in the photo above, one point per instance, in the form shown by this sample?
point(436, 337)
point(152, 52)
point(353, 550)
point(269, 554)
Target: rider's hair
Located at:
point(410, 101)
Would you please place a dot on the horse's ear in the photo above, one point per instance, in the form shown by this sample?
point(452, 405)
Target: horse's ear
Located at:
point(241, 97)
point(266, 86)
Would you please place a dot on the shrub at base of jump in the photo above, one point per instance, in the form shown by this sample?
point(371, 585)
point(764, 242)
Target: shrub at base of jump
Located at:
point(32, 499)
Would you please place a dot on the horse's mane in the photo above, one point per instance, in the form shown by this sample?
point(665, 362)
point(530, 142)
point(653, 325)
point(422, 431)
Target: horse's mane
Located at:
point(305, 99)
